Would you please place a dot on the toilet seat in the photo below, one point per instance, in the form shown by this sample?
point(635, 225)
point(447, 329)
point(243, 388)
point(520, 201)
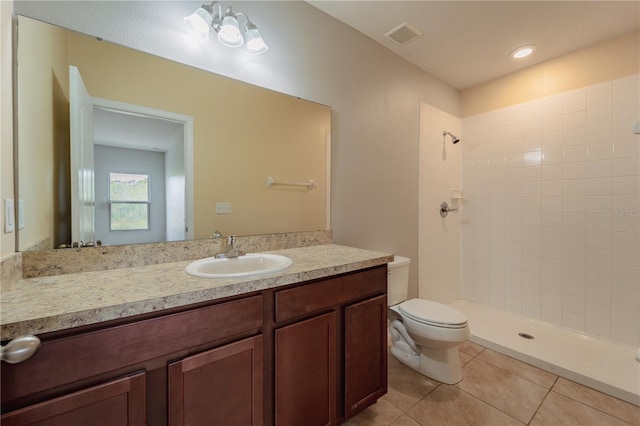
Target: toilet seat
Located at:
point(433, 313)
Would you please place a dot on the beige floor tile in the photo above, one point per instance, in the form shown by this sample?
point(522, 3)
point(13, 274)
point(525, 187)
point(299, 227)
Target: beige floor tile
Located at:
point(405, 420)
point(509, 393)
point(519, 368)
point(382, 413)
point(452, 407)
point(617, 408)
point(470, 348)
point(559, 410)
point(464, 358)
point(405, 386)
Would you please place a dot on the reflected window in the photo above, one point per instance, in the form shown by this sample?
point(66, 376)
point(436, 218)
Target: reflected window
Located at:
point(128, 201)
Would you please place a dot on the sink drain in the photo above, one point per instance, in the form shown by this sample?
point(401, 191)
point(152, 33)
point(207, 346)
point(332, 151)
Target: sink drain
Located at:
point(526, 336)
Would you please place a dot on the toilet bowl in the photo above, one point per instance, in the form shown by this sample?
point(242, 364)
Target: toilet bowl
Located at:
point(425, 335)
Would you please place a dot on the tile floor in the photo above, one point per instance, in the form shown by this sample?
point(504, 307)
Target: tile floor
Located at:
point(495, 390)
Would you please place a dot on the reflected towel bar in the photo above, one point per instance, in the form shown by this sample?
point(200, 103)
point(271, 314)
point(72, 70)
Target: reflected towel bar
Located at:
point(310, 184)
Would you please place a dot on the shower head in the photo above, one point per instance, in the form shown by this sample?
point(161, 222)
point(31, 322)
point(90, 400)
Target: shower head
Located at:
point(454, 138)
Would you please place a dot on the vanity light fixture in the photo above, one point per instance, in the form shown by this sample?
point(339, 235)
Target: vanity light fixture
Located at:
point(227, 26)
point(523, 51)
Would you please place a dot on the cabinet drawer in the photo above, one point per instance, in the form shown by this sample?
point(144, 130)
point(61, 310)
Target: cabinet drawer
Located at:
point(309, 298)
point(74, 358)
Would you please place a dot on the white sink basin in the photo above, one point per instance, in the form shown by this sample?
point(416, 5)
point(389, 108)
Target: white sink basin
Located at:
point(238, 267)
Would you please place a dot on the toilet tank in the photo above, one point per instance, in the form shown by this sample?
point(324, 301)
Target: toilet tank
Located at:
point(397, 280)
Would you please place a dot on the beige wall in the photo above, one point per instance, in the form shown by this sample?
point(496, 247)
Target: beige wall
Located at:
point(7, 242)
point(43, 111)
point(242, 134)
point(374, 96)
point(604, 61)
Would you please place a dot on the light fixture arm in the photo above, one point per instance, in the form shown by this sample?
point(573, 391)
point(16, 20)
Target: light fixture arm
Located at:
point(216, 23)
point(216, 20)
point(246, 17)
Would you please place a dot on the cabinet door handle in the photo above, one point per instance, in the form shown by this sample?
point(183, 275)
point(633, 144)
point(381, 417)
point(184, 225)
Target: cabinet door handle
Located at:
point(19, 349)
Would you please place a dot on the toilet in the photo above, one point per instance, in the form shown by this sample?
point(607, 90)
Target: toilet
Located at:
point(425, 335)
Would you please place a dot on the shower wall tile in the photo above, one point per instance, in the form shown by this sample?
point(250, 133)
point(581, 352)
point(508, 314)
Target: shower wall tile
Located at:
point(551, 223)
point(600, 94)
point(575, 100)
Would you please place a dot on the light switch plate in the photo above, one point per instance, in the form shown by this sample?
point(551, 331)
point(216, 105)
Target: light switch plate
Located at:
point(9, 216)
point(223, 208)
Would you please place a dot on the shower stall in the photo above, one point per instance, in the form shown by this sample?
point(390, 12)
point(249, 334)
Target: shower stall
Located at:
point(548, 226)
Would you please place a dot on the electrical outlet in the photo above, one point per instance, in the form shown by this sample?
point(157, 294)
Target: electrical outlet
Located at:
point(223, 208)
point(9, 216)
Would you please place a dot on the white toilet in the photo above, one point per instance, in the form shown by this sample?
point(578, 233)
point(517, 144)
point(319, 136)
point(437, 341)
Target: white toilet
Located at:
point(425, 335)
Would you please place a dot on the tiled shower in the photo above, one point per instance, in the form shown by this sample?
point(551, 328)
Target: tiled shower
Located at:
point(549, 226)
point(550, 223)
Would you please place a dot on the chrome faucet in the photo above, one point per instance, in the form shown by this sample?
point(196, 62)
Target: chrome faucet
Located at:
point(232, 250)
point(231, 246)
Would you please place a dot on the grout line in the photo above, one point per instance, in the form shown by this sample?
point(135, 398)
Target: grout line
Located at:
point(546, 395)
point(591, 406)
point(490, 405)
point(518, 375)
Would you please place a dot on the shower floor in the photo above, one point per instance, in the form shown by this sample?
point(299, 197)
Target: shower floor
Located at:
point(598, 363)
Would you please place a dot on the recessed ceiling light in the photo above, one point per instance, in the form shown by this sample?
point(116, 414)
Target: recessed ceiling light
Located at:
point(523, 51)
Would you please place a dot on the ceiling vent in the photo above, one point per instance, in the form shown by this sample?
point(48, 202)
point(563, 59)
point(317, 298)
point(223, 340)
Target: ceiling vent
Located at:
point(404, 33)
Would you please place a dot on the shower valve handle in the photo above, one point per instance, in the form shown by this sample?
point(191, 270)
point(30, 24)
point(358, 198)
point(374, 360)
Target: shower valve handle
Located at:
point(445, 209)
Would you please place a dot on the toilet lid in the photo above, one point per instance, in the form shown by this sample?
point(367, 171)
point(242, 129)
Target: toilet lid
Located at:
point(433, 313)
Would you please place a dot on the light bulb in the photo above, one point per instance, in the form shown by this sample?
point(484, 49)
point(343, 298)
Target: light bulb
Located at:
point(198, 23)
point(255, 43)
point(522, 52)
point(229, 33)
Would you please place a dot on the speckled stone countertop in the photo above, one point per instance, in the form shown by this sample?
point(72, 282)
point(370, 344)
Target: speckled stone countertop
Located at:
point(45, 304)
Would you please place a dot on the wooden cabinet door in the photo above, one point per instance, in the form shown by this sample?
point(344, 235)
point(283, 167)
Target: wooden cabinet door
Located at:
point(222, 386)
point(117, 403)
point(305, 372)
point(365, 346)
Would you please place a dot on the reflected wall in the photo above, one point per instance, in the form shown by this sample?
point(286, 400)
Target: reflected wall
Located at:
point(242, 134)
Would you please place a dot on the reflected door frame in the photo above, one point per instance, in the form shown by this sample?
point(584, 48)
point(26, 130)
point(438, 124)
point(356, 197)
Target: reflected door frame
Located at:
point(187, 122)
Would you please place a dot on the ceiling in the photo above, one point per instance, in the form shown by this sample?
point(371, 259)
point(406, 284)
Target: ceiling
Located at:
point(466, 43)
point(134, 131)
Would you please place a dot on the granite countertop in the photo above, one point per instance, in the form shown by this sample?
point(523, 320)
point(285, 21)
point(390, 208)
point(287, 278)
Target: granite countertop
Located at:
point(45, 304)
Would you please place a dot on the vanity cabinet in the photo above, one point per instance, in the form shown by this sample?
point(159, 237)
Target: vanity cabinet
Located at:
point(311, 353)
point(73, 366)
point(331, 348)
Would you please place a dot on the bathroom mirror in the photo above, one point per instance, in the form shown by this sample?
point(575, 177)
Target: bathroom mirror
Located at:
point(233, 137)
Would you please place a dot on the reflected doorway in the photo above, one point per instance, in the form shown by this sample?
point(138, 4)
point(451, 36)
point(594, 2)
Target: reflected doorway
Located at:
point(136, 140)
